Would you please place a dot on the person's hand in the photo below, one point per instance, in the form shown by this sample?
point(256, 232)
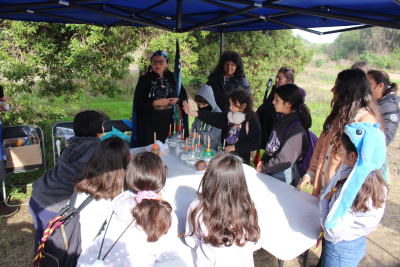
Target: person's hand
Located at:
point(259, 166)
point(191, 135)
point(188, 110)
point(4, 99)
point(173, 101)
point(229, 148)
point(306, 180)
point(162, 102)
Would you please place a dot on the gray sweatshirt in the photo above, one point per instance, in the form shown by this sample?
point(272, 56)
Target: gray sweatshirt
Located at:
point(354, 224)
point(206, 129)
point(53, 190)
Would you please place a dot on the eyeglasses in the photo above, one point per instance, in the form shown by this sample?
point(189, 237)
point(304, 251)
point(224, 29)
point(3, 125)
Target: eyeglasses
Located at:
point(155, 62)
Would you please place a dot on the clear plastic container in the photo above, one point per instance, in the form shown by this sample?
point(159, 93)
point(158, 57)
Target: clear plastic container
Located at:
point(178, 150)
point(185, 155)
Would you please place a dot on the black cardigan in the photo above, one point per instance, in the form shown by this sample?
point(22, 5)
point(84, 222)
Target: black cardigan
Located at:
point(246, 142)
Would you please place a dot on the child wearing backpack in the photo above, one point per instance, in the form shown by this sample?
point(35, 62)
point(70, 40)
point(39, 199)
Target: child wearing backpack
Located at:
point(353, 203)
point(204, 99)
point(103, 179)
point(289, 141)
point(138, 230)
point(221, 234)
point(52, 191)
point(244, 130)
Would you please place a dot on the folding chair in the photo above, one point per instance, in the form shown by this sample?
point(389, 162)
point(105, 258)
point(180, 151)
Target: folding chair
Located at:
point(17, 132)
point(63, 124)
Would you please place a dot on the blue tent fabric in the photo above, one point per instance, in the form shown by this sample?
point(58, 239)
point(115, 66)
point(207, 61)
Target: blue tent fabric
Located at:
point(210, 15)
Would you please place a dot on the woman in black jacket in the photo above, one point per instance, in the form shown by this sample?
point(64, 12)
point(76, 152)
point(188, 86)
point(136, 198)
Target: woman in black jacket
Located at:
point(154, 100)
point(228, 75)
point(385, 93)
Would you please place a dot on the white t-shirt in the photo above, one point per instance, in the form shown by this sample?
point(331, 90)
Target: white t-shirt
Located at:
point(207, 255)
point(132, 249)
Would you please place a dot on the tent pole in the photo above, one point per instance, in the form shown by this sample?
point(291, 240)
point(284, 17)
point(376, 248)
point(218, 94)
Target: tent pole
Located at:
point(222, 42)
point(178, 15)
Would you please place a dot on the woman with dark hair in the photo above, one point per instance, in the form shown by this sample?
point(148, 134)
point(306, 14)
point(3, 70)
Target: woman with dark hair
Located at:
point(227, 76)
point(288, 141)
point(103, 179)
point(384, 92)
point(138, 230)
point(154, 100)
point(352, 102)
point(221, 234)
point(266, 112)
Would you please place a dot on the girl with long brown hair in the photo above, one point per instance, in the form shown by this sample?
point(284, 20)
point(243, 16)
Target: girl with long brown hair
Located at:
point(222, 223)
point(352, 102)
point(138, 230)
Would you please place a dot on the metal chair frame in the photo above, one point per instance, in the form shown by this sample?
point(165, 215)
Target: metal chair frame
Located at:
point(16, 132)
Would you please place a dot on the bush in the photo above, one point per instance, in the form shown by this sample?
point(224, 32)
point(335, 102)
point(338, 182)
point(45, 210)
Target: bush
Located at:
point(319, 62)
point(379, 61)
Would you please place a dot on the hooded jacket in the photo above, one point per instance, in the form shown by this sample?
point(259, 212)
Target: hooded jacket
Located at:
point(132, 249)
point(283, 150)
point(389, 105)
point(203, 128)
point(267, 114)
point(53, 190)
point(216, 81)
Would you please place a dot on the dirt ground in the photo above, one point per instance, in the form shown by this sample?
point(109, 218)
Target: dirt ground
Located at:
point(383, 244)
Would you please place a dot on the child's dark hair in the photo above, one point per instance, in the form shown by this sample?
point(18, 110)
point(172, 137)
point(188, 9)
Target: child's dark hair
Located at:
point(353, 92)
point(237, 223)
point(88, 123)
point(1, 91)
point(243, 97)
point(382, 77)
point(146, 171)
point(291, 93)
point(200, 100)
point(104, 174)
point(373, 186)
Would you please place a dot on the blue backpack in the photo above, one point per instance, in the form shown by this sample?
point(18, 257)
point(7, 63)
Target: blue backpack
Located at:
point(304, 162)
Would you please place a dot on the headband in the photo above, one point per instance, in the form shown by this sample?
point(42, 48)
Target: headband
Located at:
point(159, 53)
point(146, 195)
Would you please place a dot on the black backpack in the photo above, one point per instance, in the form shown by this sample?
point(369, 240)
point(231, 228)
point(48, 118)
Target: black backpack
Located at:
point(61, 242)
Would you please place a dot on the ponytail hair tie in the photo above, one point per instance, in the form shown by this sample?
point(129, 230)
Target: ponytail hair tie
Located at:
point(146, 195)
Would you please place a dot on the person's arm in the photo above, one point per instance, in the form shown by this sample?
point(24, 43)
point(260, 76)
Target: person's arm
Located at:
point(309, 177)
point(391, 124)
point(253, 140)
point(246, 85)
point(291, 149)
point(219, 120)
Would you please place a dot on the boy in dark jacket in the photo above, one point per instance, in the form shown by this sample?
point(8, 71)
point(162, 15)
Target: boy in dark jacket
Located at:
point(52, 191)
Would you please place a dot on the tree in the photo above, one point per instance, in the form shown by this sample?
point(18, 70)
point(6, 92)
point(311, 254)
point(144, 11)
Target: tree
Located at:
point(65, 60)
point(263, 53)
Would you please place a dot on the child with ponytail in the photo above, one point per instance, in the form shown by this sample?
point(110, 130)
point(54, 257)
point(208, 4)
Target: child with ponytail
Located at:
point(289, 141)
point(138, 231)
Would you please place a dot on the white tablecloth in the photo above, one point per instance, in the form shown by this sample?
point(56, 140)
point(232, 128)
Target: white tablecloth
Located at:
point(289, 220)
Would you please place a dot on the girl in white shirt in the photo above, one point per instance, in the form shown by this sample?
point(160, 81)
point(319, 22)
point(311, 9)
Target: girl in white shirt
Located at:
point(103, 179)
point(138, 230)
point(222, 223)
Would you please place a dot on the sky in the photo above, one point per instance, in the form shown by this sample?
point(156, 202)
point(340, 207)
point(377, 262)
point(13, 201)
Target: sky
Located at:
point(314, 38)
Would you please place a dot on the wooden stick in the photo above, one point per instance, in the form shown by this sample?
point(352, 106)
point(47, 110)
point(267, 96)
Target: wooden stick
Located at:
point(205, 140)
point(183, 134)
point(186, 141)
point(224, 143)
point(174, 126)
point(155, 137)
point(170, 128)
point(208, 142)
point(192, 142)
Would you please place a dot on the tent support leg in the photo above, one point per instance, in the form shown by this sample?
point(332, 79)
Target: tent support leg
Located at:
point(222, 43)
